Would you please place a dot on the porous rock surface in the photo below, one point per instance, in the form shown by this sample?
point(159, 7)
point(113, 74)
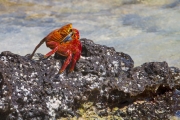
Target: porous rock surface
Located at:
point(105, 84)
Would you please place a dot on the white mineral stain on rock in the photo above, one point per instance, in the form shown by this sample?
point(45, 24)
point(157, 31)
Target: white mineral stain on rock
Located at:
point(4, 59)
point(53, 104)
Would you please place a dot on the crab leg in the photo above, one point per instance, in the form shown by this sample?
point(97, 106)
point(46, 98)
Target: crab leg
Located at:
point(54, 46)
point(67, 61)
point(74, 60)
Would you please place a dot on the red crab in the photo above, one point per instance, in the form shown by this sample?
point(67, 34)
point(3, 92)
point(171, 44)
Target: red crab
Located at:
point(71, 48)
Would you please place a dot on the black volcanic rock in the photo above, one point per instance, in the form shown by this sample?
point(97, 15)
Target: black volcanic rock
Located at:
point(104, 80)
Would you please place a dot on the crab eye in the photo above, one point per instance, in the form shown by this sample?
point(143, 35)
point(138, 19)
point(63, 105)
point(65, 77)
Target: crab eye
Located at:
point(70, 30)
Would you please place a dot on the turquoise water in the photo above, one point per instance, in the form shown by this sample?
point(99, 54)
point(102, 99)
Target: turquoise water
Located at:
point(147, 30)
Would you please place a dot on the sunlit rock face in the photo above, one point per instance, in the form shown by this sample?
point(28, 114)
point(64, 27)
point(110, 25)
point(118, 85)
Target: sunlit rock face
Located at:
point(105, 83)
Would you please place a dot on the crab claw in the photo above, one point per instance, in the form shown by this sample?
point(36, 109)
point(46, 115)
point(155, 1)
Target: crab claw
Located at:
point(72, 35)
point(75, 34)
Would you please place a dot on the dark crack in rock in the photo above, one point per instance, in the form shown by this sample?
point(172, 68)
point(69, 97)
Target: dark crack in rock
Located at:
point(158, 109)
point(103, 83)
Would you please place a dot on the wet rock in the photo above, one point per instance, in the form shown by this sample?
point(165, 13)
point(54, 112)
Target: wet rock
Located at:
point(105, 84)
